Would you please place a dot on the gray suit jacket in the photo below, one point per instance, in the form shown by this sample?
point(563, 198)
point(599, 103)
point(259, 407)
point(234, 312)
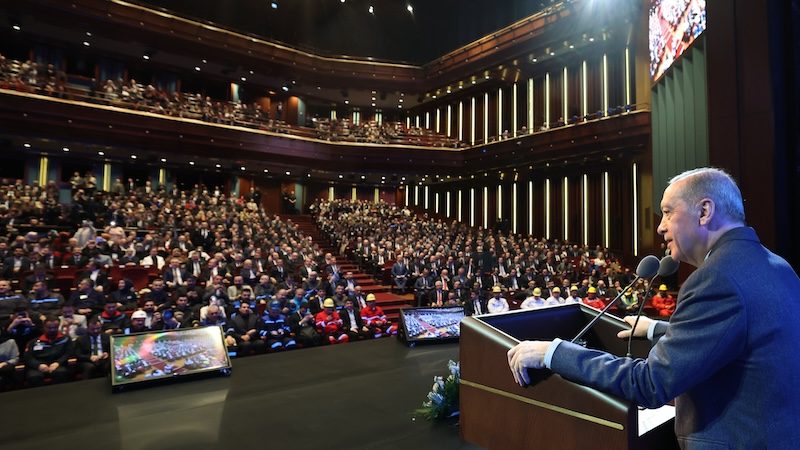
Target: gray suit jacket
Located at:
point(728, 355)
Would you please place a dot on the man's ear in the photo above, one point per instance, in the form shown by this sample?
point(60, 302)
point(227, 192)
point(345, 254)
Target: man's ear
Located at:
point(707, 210)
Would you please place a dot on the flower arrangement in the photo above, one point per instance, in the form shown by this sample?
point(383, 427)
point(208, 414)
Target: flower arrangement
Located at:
point(442, 400)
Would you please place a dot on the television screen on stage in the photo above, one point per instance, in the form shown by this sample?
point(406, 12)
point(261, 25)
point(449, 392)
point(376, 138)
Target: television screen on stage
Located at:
point(674, 26)
point(158, 355)
point(422, 324)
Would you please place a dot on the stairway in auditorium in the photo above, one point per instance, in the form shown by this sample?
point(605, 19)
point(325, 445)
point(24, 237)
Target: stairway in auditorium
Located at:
point(390, 302)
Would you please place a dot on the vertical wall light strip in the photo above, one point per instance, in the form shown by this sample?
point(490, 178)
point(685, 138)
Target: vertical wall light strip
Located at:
point(449, 120)
point(472, 123)
point(438, 119)
point(106, 177)
point(461, 121)
point(584, 91)
point(377, 196)
point(354, 194)
point(514, 208)
point(530, 105)
point(426, 197)
point(332, 194)
point(416, 195)
point(447, 204)
point(333, 114)
point(566, 208)
point(472, 207)
point(407, 189)
point(514, 110)
point(162, 176)
point(499, 112)
point(499, 201)
point(606, 205)
point(627, 76)
point(585, 209)
point(486, 117)
point(428, 120)
point(408, 122)
point(547, 208)
point(379, 118)
point(530, 207)
point(43, 163)
point(605, 85)
point(458, 205)
point(635, 210)
point(436, 203)
point(417, 121)
point(565, 102)
point(547, 100)
point(486, 207)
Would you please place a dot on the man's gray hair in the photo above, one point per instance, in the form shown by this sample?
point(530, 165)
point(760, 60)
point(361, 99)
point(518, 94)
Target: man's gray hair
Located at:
point(716, 184)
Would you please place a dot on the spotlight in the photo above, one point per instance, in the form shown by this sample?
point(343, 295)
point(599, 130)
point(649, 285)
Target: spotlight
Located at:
point(101, 153)
point(371, 9)
point(244, 78)
point(410, 8)
point(133, 156)
point(26, 145)
point(274, 5)
point(66, 149)
point(191, 163)
point(288, 173)
point(86, 43)
point(16, 27)
point(285, 88)
point(163, 160)
point(197, 68)
point(243, 168)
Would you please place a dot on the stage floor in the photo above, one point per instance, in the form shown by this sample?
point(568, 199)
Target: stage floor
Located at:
point(355, 396)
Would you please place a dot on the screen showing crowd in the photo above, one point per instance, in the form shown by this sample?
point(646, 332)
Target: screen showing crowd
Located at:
point(432, 323)
point(162, 354)
point(674, 26)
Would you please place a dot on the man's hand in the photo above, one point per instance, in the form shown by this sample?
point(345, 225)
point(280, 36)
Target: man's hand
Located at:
point(54, 366)
point(641, 328)
point(526, 355)
point(94, 358)
point(44, 368)
point(245, 338)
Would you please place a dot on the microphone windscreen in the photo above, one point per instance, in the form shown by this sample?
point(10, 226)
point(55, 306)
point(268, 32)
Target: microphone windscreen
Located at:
point(648, 267)
point(667, 266)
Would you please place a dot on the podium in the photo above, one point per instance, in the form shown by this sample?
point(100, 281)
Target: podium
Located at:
point(552, 413)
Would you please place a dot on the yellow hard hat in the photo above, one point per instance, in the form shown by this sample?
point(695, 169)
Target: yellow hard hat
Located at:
point(573, 288)
point(592, 290)
point(663, 287)
point(537, 291)
point(556, 289)
point(328, 303)
point(370, 297)
point(496, 289)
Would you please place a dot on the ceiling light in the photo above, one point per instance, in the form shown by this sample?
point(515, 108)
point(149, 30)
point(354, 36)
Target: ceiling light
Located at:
point(86, 43)
point(217, 166)
point(88, 34)
point(243, 168)
point(163, 159)
point(146, 57)
point(341, 176)
point(16, 27)
point(191, 163)
point(383, 178)
point(401, 100)
point(66, 149)
point(347, 102)
point(197, 68)
point(288, 173)
point(244, 78)
point(400, 106)
point(285, 88)
point(571, 46)
point(410, 8)
point(251, 72)
point(26, 145)
point(308, 175)
point(473, 81)
point(204, 61)
point(371, 9)
point(101, 153)
point(363, 177)
point(373, 99)
point(552, 53)
point(434, 95)
point(274, 5)
point(133, 156)
point(591, 39)
point(342, 1)
point(404, 178)
point(373, 104)
point(535, 59)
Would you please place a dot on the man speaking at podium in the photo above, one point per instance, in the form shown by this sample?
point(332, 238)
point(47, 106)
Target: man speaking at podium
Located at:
point(728, 355)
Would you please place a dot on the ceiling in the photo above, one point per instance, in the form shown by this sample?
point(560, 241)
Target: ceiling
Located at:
point(337, 27)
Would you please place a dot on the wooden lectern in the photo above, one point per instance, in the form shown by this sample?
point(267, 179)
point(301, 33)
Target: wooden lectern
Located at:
point(552, 413)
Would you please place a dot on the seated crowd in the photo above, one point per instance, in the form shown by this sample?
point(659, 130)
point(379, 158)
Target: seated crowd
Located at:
point(28, 76)
point(158, 259)
point(449, 264)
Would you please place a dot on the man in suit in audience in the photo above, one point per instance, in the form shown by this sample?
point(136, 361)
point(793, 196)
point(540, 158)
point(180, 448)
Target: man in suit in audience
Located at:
point(400, 275)
point(92, 350)
point(475, 305)
point(726, 344)
point(423, 287)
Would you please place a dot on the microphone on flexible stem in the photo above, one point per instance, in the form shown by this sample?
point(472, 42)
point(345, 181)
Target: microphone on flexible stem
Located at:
point(666, 267)
point(647, 267)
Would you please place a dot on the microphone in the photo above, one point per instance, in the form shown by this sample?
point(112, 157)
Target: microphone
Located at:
point(648, 267)
point(666, 267)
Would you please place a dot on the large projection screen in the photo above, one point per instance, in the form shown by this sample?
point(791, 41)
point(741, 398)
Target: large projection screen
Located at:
point(674, 25)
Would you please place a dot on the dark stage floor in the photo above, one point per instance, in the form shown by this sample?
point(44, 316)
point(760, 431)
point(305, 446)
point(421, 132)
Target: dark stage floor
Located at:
point(354, 396)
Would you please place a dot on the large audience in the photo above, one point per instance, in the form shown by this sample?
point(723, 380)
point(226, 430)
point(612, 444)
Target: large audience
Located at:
point(446, 263)
point(138, 259)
